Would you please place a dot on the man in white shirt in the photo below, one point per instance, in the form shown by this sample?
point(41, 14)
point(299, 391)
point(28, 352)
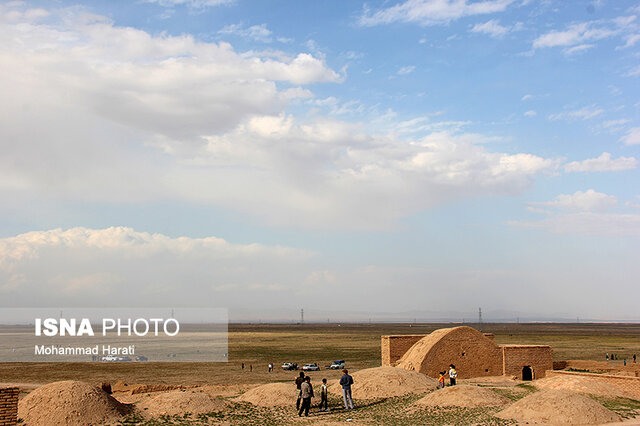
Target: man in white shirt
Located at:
point(453, 375)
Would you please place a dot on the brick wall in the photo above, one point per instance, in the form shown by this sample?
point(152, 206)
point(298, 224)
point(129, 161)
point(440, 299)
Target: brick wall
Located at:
point(393, 347)
point(516, 357)
point(629, 384)
point(9, 406)
point(473, 354)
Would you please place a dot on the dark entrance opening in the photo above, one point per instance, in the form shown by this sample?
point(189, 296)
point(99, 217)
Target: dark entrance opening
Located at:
point(527, 373)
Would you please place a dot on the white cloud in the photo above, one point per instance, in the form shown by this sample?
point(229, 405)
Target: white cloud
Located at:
point(604, 163)
point(492, 28)
point(432, 12)
point(406, 70)
point(255, 32)
point(526, 97)
point(132, 117)
point(579, 37)
point(530, 113)
point(615, 123)
point(579, 49)
point(588, 223)
point(633, 72)
point(630, 40)
point(580, 201)
point(632, 137)
point(584, 213)
point(584, 113)
point(99, 266)
point(195, 4)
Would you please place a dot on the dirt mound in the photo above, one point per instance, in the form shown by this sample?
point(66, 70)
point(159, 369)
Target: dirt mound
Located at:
point(225, 391)
point(273, 394)
point(386, 382)
point(70, 403)
point(181, 402)
point(463, 396)
point(581, 384)
point(558, 407)
point(141, 388)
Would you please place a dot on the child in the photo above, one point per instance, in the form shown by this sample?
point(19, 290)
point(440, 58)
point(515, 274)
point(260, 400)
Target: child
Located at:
point(441, 380)
point(323, 396)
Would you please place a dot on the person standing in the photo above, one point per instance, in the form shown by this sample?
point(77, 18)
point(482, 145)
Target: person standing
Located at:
point(299, 381)
point(606, 356)
point(346, 381)
point(243, 365)
point(306, 393)
point(323, 396)
point(453, 375)
point(270, 367)
point(634, 358)
point(441, 380)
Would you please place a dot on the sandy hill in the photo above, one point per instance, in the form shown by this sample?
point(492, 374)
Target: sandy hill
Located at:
point(463, 396)
point(272, 394)
point(581, 384)
point(386, 382)
point(70, 403)
point(180, 402)
point(558, 407)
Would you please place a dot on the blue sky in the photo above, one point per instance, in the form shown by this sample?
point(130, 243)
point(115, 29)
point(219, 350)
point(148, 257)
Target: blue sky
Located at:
point(418, 158)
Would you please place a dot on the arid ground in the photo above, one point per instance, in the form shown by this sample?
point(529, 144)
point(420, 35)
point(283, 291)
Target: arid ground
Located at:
point(256, 345)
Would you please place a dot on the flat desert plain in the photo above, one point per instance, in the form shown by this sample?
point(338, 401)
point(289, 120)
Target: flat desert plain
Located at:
point(226, 393)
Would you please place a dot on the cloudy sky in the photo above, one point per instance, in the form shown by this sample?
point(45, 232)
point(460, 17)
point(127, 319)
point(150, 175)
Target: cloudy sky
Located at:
point(356, 159)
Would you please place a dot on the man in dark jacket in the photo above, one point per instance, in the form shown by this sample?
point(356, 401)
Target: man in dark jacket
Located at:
point(346, 381)
point(306, 393)
point(299, 381)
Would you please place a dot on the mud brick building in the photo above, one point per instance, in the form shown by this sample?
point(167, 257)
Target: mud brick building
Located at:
point(9, 406)
point(473, 353)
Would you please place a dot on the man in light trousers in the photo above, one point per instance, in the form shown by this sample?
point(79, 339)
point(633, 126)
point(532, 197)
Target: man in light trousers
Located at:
point(346, 381)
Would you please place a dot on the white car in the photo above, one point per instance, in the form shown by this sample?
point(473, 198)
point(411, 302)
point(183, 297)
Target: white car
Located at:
point(310, 367)
point(110, 358)
point(337, 365)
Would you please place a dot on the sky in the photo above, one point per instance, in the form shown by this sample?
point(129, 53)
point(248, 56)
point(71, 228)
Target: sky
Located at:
point(382, 159)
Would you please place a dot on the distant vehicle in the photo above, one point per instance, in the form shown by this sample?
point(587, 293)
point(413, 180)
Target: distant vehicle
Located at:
point(311, 367)
point(123, 359)
point(141, 358)
point(337, 365)
point(110, 358)
point(289, 366)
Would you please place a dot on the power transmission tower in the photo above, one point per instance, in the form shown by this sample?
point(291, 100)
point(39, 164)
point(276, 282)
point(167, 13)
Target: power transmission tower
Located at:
point(480, 316)
point(301, 316)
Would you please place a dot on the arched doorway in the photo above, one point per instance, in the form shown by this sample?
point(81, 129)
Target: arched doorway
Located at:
point(527, 373)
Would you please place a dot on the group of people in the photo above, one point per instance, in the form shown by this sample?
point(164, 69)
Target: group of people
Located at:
point(305, 393)
point(453, 375)
point(614, 357)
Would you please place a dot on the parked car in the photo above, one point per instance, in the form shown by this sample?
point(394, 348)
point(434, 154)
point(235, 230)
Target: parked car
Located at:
point(337, 365)
point(123, 359)
point(289, 366)
point(141, 358)
point(310, 367)
point(110, 358)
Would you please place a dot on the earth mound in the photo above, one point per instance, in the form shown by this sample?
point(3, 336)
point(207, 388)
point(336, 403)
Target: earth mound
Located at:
point(558, 407)
point(386, 382)
point(142, 388)
point(70, 403)
point(272, 395)
point(580, 384)
point(463, 396)
point(181, 402)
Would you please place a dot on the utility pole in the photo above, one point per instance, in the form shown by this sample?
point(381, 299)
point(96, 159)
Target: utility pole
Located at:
point(480, 318)
point(301, 316)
